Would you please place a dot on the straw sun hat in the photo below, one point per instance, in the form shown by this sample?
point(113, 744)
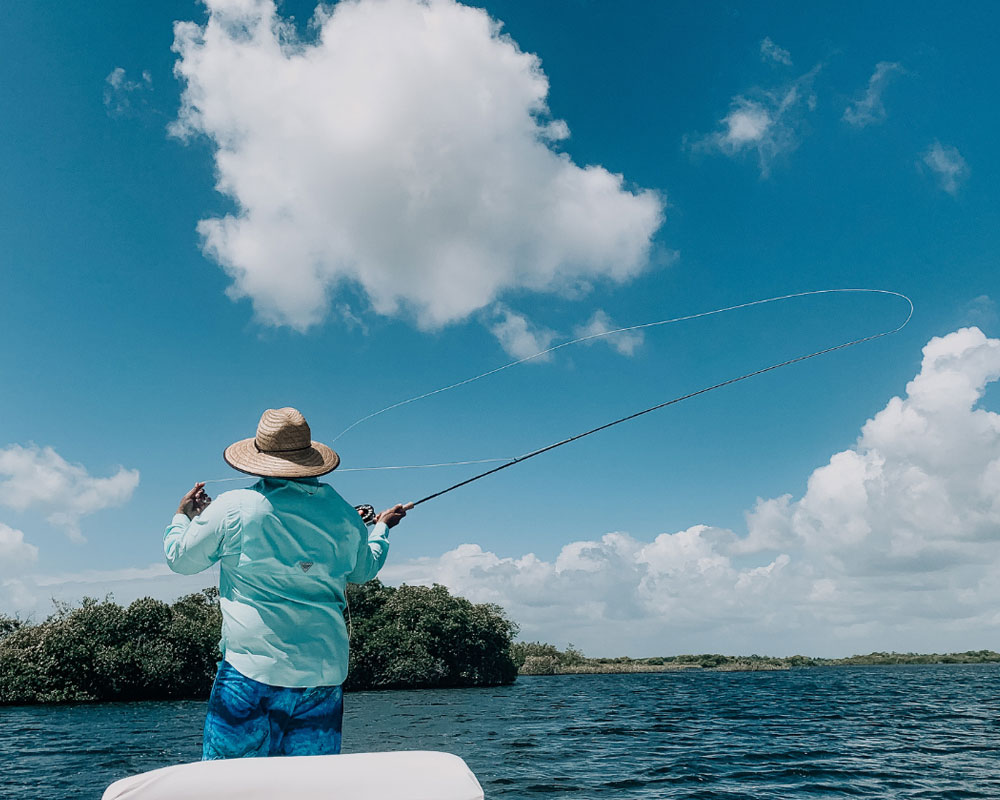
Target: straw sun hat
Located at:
point(282, 448)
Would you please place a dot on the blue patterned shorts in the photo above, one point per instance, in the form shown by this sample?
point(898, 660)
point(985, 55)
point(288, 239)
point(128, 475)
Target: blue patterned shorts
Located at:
point(249, 718)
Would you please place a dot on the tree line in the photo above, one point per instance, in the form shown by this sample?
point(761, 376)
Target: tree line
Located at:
point(539, 658)
point(406, 637)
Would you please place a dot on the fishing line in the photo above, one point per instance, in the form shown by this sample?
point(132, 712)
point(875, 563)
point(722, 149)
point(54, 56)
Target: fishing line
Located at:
point(376, 469)
point(593, 336)
point(509, 462)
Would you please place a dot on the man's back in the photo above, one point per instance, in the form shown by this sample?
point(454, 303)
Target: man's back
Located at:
point(287, 549)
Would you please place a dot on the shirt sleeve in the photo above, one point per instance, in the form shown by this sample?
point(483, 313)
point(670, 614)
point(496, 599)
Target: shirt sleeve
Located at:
point(371, 554)
point(192, 545)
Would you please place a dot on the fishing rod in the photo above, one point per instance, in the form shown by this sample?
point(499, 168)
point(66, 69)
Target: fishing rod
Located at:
point(368, 512)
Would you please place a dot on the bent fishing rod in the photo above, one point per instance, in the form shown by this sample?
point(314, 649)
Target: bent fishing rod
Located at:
point(368, 512)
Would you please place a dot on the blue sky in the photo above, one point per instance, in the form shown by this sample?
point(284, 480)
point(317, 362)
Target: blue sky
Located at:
point(403, 203)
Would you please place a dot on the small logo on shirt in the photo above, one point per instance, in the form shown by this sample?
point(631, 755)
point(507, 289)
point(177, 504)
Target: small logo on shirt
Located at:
point(306, 565)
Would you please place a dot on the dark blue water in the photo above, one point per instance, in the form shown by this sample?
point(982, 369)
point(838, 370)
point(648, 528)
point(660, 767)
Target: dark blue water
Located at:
point(885, 732)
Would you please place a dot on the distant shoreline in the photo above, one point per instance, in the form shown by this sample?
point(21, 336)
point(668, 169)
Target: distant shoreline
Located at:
point(542, 659)
point(607, 669)
point(697, 669)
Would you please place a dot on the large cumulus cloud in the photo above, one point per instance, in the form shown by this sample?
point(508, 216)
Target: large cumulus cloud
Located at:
point(407, 150)
point(894, 544)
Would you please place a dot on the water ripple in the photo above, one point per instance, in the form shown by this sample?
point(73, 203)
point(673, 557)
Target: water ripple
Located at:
point(893, 733)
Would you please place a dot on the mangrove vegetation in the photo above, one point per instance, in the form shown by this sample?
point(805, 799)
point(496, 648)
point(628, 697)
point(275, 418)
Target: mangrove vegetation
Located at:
point(411, 637)
point(538, 658)
point(405, 637)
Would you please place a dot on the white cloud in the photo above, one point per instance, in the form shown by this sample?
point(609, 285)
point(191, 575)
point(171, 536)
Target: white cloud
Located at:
point(894, 545)
point(626, 342)
point(981, 311)
point(407, 149)
point(948, 165)
point(123, 96)
point(763, 122)
point(30, 595)
point(769, 51)
point(518, 336)
point(869, 109)
point(38, 477)
point(15, 552)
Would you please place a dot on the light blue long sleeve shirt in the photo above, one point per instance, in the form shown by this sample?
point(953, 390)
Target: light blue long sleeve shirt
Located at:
point(286, 551)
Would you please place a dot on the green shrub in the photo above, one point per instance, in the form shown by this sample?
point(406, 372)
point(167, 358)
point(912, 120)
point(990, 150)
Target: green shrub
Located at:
point(102, 651)
point(539, 665)
point(418, 636)
point(409, 637)
point(521, 651)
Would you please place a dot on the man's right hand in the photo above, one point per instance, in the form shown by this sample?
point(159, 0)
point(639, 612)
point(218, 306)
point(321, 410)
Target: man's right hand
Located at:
point(194, 502)
point(392, 516)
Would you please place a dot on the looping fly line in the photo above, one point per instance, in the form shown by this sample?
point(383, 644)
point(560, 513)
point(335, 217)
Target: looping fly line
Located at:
point(643, 326)
point(517, 460)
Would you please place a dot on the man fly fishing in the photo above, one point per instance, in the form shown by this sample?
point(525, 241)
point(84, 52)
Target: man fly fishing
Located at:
point(287, 547)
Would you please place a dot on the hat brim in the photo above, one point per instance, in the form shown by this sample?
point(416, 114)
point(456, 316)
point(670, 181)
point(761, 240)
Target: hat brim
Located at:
point(310, 462)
